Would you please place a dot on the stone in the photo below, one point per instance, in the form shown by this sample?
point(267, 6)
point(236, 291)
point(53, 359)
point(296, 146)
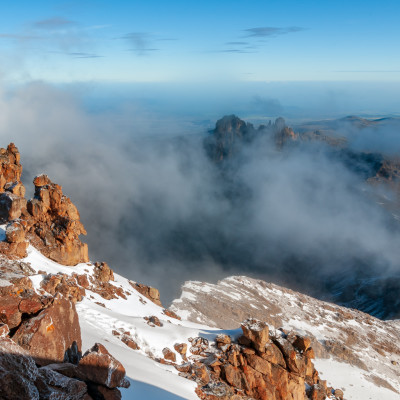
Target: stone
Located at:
point(11, 206)
point(99, 392)
point(51, 333)
point(18, 372)
point(130, 342)
point(169, 354)
point(103, 272)
point(99, 366)
point(257, 332)
point(302, 343)
point(180, 348)
point(338, 394)
point(147, 291)
point(259, 364)
point(15, 232)
point(53, 385)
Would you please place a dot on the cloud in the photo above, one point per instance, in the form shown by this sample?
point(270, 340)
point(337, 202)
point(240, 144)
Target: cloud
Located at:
point(237, 43)
point(268, 31)
point(84, 55)
point(53, 23)
point(141, 42)
point(160, 212)
point(21, 37)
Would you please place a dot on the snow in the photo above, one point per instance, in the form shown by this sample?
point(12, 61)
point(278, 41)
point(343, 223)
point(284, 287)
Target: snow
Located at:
point(149, 379)
point(352, 381)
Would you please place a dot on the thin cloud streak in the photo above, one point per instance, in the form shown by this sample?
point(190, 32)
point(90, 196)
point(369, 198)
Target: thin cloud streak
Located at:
point(268, 31)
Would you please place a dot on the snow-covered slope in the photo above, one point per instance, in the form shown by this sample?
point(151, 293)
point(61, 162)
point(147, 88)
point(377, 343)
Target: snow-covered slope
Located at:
point(149, 379)
point(354, 351)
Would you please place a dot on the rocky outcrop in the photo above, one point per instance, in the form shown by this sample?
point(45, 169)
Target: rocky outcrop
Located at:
point(49, 221)
point(344, 330)
point(53, 224)
point(258, 365)
point(231, 134)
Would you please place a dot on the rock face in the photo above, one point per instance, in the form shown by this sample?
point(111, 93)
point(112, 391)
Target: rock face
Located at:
point(50, 334)
point(54, 224)
point(259, 365)
point(231, 134)
point(50, 221)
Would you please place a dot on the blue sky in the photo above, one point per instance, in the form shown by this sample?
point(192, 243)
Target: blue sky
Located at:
point(153, 41)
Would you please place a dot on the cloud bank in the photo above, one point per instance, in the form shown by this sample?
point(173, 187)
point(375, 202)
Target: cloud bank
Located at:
point(160, 212)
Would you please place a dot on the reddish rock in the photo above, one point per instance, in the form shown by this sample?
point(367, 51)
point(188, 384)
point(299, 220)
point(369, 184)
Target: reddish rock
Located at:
point(169, 354)
point(53, 224)
point(11, 206)
point(302, 343)
point(257, 332)
point(153, 321)
point(147, 291)
point(129, 342)
point(99, 366)
point(103, 272)
point(171, 314)
point(15, 232)
point(180, 348)
point(222, 339)
point(51, 333)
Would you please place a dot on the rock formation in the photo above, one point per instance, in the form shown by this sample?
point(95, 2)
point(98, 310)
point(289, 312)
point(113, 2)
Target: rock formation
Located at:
point(231, 134)
point(258, 365)
point(49, 221)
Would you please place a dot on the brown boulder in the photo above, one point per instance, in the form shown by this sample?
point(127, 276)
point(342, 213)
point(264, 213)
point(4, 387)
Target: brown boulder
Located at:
point(99, 366)
point(103, 272)
point(51, 333)
point(15, 232)
point(147, 291)
point(257, 332)
point(11, 206)
point(169, 354)
point(180, 348)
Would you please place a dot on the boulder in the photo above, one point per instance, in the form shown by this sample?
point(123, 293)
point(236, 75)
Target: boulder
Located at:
point(169, 354)
point(15, 232)
point(257, 332)
point(18, 372)
point(53, 385)
point(99, 366)
point(51, 333)
point(11, 206)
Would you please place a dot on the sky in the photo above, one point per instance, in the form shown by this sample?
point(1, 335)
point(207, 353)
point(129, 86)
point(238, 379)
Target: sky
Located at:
point(181, 41)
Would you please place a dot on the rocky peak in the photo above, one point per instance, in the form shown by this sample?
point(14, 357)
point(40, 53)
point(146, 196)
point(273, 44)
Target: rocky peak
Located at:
point(231, 133)
point(49, 220)
point(54, 224)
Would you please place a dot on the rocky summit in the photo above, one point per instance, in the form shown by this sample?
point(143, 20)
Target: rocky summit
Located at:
point(72, 329)
point(49, 220)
